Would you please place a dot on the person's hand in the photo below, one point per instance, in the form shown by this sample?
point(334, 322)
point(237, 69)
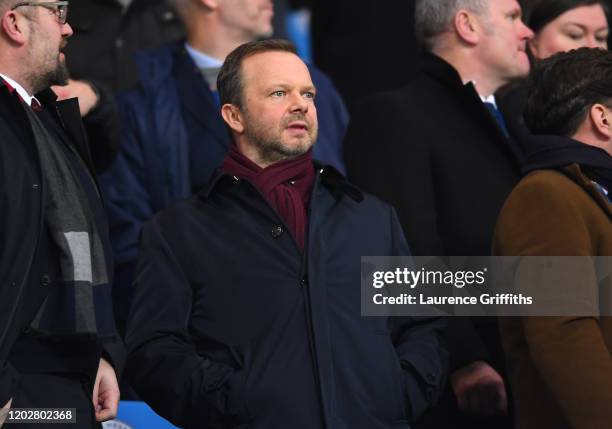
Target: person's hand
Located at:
point(479, 389)
point(4, 412)
point(106, 392)
point(88, 97)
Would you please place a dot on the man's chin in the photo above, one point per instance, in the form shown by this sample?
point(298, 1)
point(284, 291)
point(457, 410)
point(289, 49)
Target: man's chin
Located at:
point(297, 147)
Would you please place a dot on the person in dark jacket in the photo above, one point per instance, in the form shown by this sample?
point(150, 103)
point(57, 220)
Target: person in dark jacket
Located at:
point(100, 60)
point(58, 343)
point(173, 136)
point(109, 32)
point(439, 150)
point(247, 296)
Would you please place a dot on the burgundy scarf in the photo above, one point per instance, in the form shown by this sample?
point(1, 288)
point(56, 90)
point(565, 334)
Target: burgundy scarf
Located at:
point(286, 185)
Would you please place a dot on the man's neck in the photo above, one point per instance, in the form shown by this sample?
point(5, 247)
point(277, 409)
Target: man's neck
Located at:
point(213, 39)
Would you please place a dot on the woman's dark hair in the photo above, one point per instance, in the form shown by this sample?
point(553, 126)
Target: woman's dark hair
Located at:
point(562, 89)
point(538, 13)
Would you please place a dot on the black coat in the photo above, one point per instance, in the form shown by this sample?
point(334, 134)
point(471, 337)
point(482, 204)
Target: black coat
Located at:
point(233, 326)
point(101, 51)
point(433, 151)
point(106, 38)
point(24, 274)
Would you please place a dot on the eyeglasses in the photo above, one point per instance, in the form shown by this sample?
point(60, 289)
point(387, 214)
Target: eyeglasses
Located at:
point(59, 8)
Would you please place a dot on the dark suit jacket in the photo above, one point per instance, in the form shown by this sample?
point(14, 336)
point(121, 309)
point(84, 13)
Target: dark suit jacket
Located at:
point(24, 274)
point(433, 151)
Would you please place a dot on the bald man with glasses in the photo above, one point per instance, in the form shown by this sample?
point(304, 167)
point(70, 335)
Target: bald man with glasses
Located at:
point(59, 351)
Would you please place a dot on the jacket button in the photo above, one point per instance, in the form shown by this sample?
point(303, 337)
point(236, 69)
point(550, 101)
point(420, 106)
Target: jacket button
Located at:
point(35, 186)
point(431, 378)
point(304, 281)
point(45, 280)
point(277, 231)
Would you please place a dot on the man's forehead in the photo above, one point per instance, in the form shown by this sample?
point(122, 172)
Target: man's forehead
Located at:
point(275, 66)
point(505, 5)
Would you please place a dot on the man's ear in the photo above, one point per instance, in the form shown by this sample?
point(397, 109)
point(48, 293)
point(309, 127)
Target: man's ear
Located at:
point(467, 27)
point(233, 117)
point(601, 119)
point(14, 27)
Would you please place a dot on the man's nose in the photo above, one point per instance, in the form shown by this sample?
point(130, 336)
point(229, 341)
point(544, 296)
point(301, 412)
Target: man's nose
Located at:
point(526, 33)
point(67, 30)
point(298, 103)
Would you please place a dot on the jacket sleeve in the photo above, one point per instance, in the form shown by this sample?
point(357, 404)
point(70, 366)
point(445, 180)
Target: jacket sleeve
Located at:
point(127, 194)
point(420, 346)
point(163, 365)
point(570, 353)
point(102, 127)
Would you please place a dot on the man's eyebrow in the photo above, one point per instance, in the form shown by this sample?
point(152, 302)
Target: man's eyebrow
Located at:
point(288, 86)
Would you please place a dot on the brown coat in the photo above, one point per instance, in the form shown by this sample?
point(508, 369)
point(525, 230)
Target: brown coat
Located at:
point(560, 367)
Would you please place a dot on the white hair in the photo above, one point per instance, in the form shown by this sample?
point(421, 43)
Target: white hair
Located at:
point(434, 17)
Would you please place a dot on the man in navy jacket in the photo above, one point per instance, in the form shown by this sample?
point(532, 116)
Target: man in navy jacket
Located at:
point(247, 307)
point(173, 136)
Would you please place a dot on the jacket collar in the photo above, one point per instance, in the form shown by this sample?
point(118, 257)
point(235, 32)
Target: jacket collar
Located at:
point(574, 172)
point(66, 111)
point(69, 116)
point(327, 175)
point(441, 71)
point(172, 63)
point(195, 94)
point(445, 74)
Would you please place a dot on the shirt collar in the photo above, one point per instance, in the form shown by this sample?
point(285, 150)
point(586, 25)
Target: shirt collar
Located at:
point(202, 60)
point(489, 99)
point(27, 98)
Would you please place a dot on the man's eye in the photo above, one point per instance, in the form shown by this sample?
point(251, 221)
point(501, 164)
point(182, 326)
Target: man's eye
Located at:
point(278, 93)
point(514, 16)
point(310, 95)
